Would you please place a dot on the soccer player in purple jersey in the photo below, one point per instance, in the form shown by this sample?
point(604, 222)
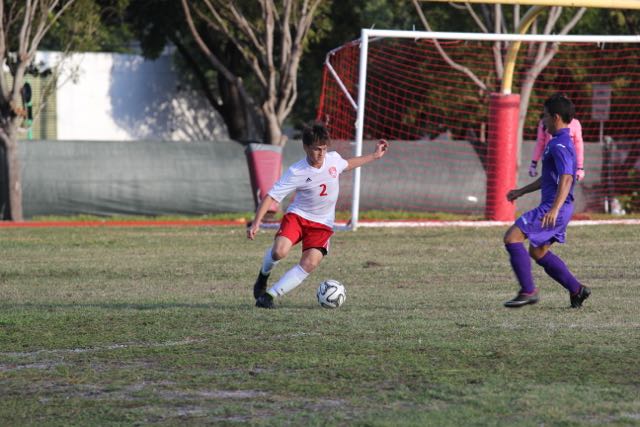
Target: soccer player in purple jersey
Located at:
point(548, 222)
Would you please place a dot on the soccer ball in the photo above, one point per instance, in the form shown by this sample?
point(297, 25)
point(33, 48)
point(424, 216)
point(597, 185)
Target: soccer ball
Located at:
point(331, 294)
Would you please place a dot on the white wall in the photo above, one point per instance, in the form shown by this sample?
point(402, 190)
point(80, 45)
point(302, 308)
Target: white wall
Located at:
point(105, 96)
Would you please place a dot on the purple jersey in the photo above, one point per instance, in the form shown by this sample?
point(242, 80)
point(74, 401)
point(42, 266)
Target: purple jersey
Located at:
point(559, 159)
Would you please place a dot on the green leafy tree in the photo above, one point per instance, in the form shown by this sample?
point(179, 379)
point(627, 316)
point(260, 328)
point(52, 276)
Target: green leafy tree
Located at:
point(91, 26)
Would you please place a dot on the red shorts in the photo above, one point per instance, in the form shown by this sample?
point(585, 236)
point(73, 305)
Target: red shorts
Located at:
point(312, 234)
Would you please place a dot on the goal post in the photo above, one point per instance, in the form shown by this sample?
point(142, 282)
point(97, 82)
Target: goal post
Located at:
point(397, 85)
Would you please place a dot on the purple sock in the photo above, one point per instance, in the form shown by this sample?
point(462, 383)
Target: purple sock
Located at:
point(559, 272)
point(521, 264)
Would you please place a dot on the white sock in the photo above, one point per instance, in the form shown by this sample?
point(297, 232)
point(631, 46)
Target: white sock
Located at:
point(288, 282)
point(268, 262)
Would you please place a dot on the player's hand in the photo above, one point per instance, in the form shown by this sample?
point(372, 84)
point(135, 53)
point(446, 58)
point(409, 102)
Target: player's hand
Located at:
point(252, 230)
point(532, 169)
point(513, 194)
point(381, 148)
point(580, 174)
point(549, 219)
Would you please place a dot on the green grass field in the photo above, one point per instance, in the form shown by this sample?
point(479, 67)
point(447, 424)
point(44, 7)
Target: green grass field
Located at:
point(137, 326)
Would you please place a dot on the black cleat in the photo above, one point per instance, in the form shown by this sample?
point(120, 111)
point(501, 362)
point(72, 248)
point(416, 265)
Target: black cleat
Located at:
point(578, 299)
point(265, 301)
point(260, 287)
point(523, 299)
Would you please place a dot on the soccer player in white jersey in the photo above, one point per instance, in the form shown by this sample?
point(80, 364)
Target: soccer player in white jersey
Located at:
point(310, 216)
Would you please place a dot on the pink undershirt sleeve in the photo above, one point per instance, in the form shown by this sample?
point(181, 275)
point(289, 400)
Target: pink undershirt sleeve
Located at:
point(541, 142)
point(575, 129)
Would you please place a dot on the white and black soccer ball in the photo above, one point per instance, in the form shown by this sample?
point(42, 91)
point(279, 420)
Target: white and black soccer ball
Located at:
point(331, 294)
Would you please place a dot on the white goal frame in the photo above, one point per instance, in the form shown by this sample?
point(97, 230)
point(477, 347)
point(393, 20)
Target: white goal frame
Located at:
point(368, 35)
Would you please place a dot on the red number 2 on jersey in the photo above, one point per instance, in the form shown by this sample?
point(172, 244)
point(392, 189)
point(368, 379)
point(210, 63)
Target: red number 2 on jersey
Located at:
point(324, 190)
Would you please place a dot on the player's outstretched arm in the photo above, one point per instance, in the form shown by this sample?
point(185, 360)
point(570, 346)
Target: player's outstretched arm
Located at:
point(356, 162)
point(261, 211)
point(519, 192)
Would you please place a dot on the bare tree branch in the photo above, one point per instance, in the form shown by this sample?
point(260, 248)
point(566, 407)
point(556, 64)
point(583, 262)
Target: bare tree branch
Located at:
point(44, 27)
point(3, 37)
point(269, 23)
point(245, 27)
point(25, 29)
point(272, 47)
point(574, 20)
point(444, 55)
point(544, 56)
point(554, 15)
point(285, 29)
point(289, 82)
point(217, 64)
point(221, 25)
point(503, 20)
point(476, 18)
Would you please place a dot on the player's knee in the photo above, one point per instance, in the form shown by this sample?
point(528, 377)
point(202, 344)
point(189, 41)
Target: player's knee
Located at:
point(278, 253)
point(309, 265)
point(505, 239)
point(513, 235)
point(509, 238)
point(537, 253)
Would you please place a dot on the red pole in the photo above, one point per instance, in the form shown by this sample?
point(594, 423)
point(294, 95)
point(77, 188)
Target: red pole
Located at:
point(502, 156)
point(321, 106)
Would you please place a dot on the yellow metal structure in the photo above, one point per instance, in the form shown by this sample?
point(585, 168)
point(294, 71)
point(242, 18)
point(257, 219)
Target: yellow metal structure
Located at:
point(606, 4)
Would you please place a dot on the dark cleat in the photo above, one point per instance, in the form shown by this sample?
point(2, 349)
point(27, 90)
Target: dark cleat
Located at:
point(523, 299)
point(578, 298)
point(265, 301)
point(260, 287)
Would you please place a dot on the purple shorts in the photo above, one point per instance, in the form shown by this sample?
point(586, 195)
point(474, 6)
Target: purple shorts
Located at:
point(530, 223)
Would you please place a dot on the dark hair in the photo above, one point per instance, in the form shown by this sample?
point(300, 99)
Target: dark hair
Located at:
point(313, 132)
point(561, 105)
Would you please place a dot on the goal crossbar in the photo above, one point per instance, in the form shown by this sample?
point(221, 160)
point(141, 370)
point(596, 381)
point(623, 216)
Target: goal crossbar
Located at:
point(442, 35)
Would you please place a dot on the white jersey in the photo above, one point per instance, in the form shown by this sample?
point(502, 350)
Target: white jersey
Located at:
point(316, 189)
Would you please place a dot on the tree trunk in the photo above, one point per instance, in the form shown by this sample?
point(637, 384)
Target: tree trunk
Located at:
point(273, 131)
point(234, 111)
point(15, 181)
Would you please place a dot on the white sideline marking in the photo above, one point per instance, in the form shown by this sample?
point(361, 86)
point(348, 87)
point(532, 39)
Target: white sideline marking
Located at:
point(342, 226)
point(398, 224)
point(606, 221)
